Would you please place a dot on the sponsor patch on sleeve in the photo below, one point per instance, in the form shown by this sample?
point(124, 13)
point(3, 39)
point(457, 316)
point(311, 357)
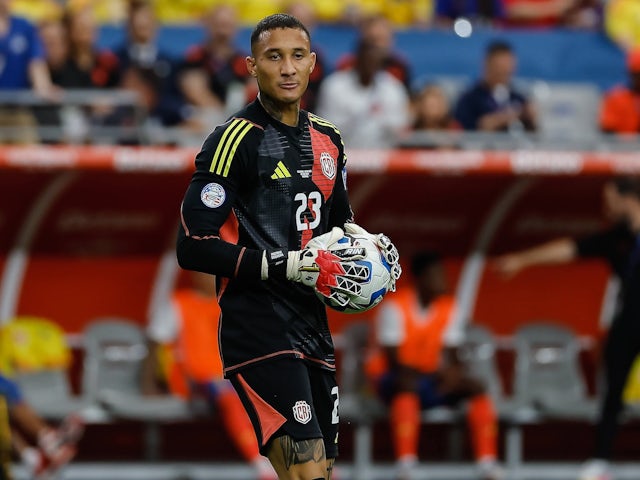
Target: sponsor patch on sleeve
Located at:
point(213, 195)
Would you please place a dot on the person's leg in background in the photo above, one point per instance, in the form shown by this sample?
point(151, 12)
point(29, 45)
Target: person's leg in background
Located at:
point(455, 385)
point(621, 348)
point(56, 445)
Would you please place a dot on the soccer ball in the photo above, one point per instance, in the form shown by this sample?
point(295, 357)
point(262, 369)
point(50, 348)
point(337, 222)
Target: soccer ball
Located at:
point(376, 270)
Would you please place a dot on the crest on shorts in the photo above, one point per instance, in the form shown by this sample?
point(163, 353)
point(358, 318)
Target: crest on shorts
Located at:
point(302, 412)
point(328, 165)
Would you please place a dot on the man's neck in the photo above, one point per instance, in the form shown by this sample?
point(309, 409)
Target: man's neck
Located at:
point(287, 114)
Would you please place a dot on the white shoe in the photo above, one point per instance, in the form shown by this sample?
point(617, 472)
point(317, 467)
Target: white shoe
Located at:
point(596, 470)
point(490, 469)
point(405, 468)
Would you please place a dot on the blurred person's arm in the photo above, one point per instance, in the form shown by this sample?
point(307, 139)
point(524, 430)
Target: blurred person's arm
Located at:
point(558, 251)
point(162, 330)
point(499, 119)
point(41, 81)
point(149, 372)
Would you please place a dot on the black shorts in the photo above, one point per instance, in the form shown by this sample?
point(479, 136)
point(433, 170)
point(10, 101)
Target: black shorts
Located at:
point(289, 397)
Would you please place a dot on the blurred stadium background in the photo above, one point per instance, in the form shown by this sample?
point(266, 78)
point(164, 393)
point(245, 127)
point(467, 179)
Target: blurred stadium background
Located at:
point(88, 214)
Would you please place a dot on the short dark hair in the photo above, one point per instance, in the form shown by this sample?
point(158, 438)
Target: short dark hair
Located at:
point(423, 260)
point(277, 20)
point(498, 46)
point(627, 185)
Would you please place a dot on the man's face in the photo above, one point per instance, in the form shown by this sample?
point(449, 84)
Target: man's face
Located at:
point(499, 68)
point(432, 282)
point(143, 24)
point(221, 23)
point(614, 204)
point(282, 63)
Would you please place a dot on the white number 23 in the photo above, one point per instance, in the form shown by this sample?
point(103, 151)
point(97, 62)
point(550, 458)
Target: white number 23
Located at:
point(311, 202)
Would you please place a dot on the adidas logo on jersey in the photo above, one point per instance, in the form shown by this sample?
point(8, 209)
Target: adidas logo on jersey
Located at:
point(280, 172)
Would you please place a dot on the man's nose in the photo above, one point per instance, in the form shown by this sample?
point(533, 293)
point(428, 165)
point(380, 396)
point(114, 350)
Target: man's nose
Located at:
point(287, 67)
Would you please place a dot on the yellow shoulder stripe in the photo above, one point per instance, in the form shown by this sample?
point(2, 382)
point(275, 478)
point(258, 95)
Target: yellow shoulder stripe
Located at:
point(227, 146)
point(321, 121)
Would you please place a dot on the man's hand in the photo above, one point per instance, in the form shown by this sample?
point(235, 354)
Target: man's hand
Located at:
point(388, 249)
point(509, 265)
point(328, 266)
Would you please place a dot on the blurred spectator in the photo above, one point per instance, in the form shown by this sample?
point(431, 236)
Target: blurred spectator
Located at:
point(214, 77)
point(619, 246)
point(409, 13)
point(368, 105)
point(493, 104)
point(306, 14)
point(105, 11)
point(37, 10)
point(377, 30)
point(584, 15)
point(538, 13)
point(431, 109)
point(183, 11)
point(146, 69)
point(54, 447)
point(183, 336)
point(22, 67)
point(620, 109)
point(478, 12)
point(416, 365)
point(622, 22)
point(86, 66)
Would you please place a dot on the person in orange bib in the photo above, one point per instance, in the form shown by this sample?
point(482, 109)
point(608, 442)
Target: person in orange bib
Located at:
point(183, 336)
point(415, 366)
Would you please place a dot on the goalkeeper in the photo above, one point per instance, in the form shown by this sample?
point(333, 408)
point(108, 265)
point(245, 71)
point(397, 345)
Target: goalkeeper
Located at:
point(264, 212)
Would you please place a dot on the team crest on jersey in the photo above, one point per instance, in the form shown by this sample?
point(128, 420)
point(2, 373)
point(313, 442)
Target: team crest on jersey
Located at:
point(213, 195)
point(302, 412)
point(328, 165)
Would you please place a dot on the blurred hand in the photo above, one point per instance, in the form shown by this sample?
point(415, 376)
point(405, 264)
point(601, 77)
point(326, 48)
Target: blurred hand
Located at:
point(509, 265)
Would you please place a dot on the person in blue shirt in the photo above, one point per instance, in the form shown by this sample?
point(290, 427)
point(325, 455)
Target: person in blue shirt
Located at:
point(22, 63)
point(22, 66)
point(493, 104)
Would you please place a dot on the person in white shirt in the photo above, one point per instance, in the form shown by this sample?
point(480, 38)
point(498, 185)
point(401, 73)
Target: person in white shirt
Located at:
point(369, 105)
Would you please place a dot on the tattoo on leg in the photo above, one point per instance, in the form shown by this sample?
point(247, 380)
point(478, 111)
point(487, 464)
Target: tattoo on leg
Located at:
point(302, 451)
point(329, 468)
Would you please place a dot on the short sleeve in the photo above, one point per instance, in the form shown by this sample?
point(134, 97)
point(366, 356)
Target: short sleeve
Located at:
point(454, 334)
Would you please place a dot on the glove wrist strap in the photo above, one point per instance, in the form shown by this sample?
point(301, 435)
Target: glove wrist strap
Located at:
point(277, 263)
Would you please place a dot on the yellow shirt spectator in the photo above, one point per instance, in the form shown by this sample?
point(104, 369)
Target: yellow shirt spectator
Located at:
point(36, 10)
point(622, 22)
point(183, 11)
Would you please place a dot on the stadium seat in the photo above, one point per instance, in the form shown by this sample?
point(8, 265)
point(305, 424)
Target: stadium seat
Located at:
point(548, 376)
point(114, 351)
point(566, 111)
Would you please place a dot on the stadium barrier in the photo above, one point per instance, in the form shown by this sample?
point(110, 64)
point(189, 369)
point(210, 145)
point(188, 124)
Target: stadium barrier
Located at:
point(88, 232)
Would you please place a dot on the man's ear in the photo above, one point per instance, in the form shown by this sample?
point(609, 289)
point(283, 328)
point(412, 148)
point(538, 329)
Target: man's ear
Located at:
point(251, 66)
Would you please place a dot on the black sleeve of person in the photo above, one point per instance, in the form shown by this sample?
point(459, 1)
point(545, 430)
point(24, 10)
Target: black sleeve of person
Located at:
point(598, 245)
point(220, 168)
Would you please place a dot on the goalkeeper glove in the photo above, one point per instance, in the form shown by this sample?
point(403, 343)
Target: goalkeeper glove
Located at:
point(323, 264)
point(387, 248)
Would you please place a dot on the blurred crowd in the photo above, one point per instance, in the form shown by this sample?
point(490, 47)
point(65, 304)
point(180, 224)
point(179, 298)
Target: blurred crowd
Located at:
point(51, 46)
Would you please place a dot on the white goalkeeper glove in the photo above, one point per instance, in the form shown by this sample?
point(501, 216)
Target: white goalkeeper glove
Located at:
point(323, 264)
point(388, 249)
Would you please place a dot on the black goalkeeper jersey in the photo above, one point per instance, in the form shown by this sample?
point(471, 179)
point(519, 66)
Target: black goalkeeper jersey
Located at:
point(262, 185)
